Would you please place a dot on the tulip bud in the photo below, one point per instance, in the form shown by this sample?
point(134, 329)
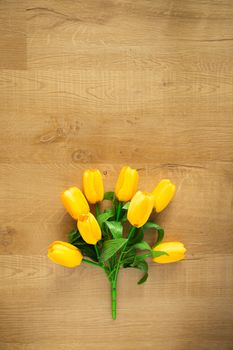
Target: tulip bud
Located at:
point(175, 250)
point(127, 183)
point(140, 208)
point(163, 194)
point(64, 254)
point(75, 202)
point(93, 185)
point(89, 228)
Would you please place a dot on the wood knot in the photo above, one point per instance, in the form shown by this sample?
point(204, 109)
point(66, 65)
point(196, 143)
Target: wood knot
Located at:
point(52, 136)
point(6, 236)
point(81, 156)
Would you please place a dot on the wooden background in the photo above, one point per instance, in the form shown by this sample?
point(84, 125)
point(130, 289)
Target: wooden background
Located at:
point(101, 83)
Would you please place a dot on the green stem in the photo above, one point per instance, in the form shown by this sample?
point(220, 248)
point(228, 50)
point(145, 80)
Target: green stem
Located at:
point(119, 207)
point(118, 211)
point(97, 251)
point(113, 293)
point(111, 273)
point(96, 264)
point(98, 257)
point(144, 256)
point(91, 263)
point(114, 280)
point(97, 209)
point(123, 251)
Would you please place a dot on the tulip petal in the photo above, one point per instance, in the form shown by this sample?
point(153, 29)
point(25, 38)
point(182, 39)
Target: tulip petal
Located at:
point(64, 254)
point(175, 250)
point(93, 185)
point(99, 187)
point(75, 202)
point(163, 194)
point(126, 184)
point(120, 179)
point(140, 208)
point(89, 228)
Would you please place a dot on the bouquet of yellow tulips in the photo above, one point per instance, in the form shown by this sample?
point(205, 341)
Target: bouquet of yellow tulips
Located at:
point(100, 241)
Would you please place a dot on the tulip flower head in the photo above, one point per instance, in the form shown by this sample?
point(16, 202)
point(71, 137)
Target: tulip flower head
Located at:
point(127, 183)
point(75, 202)
point(163, 194)
point(89, 228)
point(64, 254)
point(93, 185)
point(175, 250)
point(140, 208)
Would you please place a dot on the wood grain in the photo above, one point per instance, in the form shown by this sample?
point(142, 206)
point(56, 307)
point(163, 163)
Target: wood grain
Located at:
point(100, 83)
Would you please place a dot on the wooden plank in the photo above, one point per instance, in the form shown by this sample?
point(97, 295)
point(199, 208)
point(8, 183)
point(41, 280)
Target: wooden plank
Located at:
point(177, 297)
point(150, 33)
point(80, 113)
point(99, 84)
point(13, 36)
point(32, 205)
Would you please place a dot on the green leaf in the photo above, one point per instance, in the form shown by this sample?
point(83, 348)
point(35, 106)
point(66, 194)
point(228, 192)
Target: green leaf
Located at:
point(109, 196)
point(115, 203)
point(129, 258)
point(124, 217)
point(76, 239)
point(87, 250)
point(143, 266)
point(115, 228)
point(159, 229)
point(126, 206)
point(152, 254)
point(108, 210)
point(111, 247)
point(73, 236)
point(137, 237)
point(105, 216)
point(158, 253)
point(143, 279)
point(142, 246)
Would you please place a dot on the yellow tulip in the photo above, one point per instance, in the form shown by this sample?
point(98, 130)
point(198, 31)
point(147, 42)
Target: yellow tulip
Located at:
point(127, 183)
point(163, 194)
point(175, 250)
point(75, 202)
point(89, 228)
point(93, 185)
point(64, 254)
point(140, 208)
